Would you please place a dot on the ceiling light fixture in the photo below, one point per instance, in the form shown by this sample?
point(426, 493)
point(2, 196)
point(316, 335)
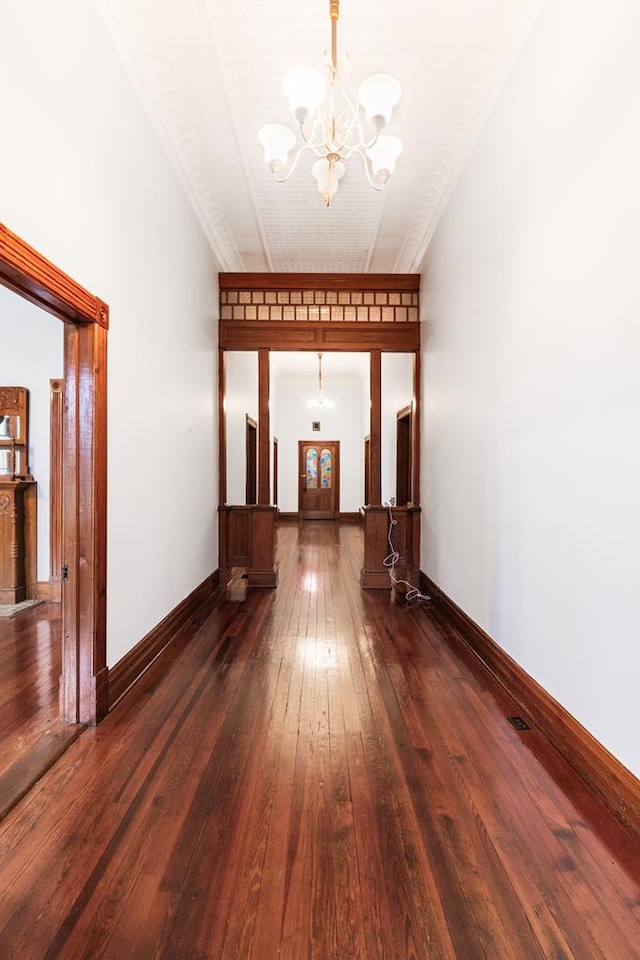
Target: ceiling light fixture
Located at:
point(331, 124)
point(320, 402)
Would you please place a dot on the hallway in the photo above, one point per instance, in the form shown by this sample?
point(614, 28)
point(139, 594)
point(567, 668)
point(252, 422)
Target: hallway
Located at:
point(317, 773)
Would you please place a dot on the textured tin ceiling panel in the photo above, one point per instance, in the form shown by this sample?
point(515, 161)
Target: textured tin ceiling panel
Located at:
point(210, 74)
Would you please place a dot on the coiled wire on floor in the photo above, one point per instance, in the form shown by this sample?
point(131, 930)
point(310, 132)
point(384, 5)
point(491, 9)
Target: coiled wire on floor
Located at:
point(412, 594)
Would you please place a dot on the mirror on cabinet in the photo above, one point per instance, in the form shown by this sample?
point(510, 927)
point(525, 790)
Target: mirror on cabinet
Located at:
point(14, 440)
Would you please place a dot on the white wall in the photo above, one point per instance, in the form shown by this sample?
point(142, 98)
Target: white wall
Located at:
point(241, 400)
point(531, 306)
point(397, 393)
point(83, 179)
point(31, 354)
point(344, 423)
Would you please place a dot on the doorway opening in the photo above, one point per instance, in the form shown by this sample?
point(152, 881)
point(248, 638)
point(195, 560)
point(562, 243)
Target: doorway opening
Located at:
point(83, 681)
point(251, 439)
point(275, 472)
point(367, 471)
point(404, 425)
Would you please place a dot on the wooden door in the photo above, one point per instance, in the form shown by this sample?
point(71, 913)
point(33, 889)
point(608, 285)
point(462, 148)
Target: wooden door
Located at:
point(403, 457)
point(367, 470)
point(251, 494)
point(319, 479)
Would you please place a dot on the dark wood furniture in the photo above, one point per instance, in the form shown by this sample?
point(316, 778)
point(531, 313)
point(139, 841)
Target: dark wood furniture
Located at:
point(18, 580)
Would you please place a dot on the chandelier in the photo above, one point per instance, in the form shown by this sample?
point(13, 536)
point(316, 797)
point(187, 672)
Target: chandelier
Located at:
point(330, 123)
point(320, 402)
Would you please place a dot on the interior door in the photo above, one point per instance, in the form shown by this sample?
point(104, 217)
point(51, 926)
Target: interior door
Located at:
point(251, 494)
point(403, 457)
point(319, 479)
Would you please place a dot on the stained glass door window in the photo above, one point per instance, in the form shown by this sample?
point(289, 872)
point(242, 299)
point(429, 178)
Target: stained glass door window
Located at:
point(312, 469)
point(325, 469)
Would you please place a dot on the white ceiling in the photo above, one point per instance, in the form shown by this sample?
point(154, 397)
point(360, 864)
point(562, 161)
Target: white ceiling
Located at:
point(292, 365)
point(210, 74)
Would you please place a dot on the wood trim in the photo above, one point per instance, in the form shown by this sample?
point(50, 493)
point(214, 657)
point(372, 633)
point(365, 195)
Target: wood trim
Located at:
point(84, 670)
point(354, 517)
point(56, 441)
point(616, 786)
point(407, 282)
point(314, 335)
point(83, 683)
point(167, 633)
point(40, 281)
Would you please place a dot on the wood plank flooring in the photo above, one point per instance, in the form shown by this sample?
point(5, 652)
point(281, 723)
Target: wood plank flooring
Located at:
point(31, 737)
point(317, 772)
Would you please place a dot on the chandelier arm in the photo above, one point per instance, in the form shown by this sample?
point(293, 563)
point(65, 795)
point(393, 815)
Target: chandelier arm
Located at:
point(294, 164)
point(355, 122)
point(365, 162)
point(317, 146)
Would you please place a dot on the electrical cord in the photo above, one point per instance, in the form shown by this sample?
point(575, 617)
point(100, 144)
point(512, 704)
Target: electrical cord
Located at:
point(412, 594)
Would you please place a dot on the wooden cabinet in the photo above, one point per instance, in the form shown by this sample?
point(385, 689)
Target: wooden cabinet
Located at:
point(17, 515)
point(18, 580)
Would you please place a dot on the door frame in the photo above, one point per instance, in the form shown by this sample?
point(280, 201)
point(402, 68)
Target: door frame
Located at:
point(302, 473)
point(251, 461)
point(84, 678)
point(404, 456)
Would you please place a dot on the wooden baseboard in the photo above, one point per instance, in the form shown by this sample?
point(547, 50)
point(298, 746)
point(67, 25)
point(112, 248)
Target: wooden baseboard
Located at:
point(616, 786)
point(50, 590)
point(130, 668)
point(288, 517)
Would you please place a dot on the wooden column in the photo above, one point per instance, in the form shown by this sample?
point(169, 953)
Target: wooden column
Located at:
point(264, 439)
point(83, 685)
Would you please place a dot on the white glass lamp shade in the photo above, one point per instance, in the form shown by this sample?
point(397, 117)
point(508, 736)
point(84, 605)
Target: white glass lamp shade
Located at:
point(383, 155)
point(328, 176)
point(277, 141)
point(305, 90)
point(378, 95)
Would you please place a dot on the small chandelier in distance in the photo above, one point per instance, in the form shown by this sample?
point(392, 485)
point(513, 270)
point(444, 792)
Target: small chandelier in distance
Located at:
point(330, 124)
point(320, 402)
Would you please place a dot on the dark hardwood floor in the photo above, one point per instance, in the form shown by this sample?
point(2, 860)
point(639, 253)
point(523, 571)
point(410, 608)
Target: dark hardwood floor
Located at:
point(31, 738)
point(317, 772)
